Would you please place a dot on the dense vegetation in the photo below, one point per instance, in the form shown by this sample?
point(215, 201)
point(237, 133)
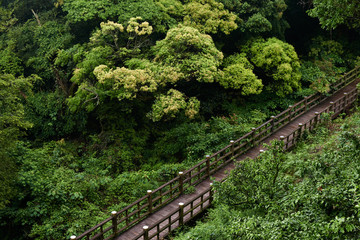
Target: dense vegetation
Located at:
point(101, 100)
point(310, 193)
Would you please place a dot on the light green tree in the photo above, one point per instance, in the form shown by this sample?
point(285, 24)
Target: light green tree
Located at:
point(279, 62)
point(191, 51)
point(209, 16)
point(238, 74)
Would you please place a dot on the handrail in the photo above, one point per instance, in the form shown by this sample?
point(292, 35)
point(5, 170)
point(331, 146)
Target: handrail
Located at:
point(169, 191)
point(180, 216)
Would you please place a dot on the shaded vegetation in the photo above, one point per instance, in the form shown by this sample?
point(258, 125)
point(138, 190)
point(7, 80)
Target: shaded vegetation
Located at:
point(102, 100)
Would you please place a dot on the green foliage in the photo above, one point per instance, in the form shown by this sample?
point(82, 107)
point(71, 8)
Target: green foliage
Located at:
point(6, 19)
point(279, 61)
point(51, 118)
point(328, 63)
point(10, 63)
point(318, 80)
point(308, 194)
point(169, 105)
point(253, 184)
point(209, 16)
point(192, 141)
point(238, 74)
point(12, 124)
point(64, 190)
point(115, 10)
point(259, 16)
point(328, 50)
point(158, 97)
point(49, 39)
point(192, 52)
point(333, 13)
point(258, 23)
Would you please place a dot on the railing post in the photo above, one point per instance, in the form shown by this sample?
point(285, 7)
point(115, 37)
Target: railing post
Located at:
point(208, 165)
point(253, 136)
point(150, 203)
point(331, 107)
point(282, 138)
point(272, 123)
point(73, 237)
point(316, 119)
point(114, 223)
point(211, 194)
point(232, 148)
point(300, 128)
point(306, 103)
point(181, 182)
point(345, 99)
point(290, 112)
point(181, 214)
point(146, 232)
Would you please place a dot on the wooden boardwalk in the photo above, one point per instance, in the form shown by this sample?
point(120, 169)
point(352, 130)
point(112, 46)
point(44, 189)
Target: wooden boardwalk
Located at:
point(137, 231)
point(156, 214)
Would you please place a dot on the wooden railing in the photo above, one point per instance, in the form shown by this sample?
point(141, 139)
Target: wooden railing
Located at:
point(331, 112)
point(178, 217)
point(195, 206)
point(124, 219)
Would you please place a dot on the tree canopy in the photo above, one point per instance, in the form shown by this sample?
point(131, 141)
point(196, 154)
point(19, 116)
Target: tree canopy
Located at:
point(102, 100)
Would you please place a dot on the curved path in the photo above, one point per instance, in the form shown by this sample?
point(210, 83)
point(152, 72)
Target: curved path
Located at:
point(136, 231)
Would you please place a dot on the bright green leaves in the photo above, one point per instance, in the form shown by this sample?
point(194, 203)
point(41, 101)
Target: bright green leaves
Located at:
point(238, 74)
point(170, 104)
point(332, 13)
point(126, 83)
point(192, 52)
point(93, 58)
point(209, 16)
point(279, 61)
point(120, 38)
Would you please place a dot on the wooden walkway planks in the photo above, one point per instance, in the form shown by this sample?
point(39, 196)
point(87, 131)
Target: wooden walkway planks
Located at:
point(221, 174)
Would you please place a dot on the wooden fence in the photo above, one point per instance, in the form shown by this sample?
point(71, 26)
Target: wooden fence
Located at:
point(126, 218)
point(327, 114)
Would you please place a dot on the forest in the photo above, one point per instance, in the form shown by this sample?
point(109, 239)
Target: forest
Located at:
point(101, 100)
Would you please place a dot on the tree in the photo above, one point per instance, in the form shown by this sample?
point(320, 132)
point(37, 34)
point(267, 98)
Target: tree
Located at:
point(280, 63)
point(238, 74)
point(6, 19)
point(12, 124)
point(110, 71)
point(332, 13)
point(192, 52)
point(259, 16)
point(209, 16)
point(121, 11)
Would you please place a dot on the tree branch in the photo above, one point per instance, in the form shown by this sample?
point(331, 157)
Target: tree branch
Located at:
point(96, 96)
point(37, 17)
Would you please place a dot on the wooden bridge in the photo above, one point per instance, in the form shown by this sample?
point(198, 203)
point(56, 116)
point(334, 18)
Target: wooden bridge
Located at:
point(160, 211)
